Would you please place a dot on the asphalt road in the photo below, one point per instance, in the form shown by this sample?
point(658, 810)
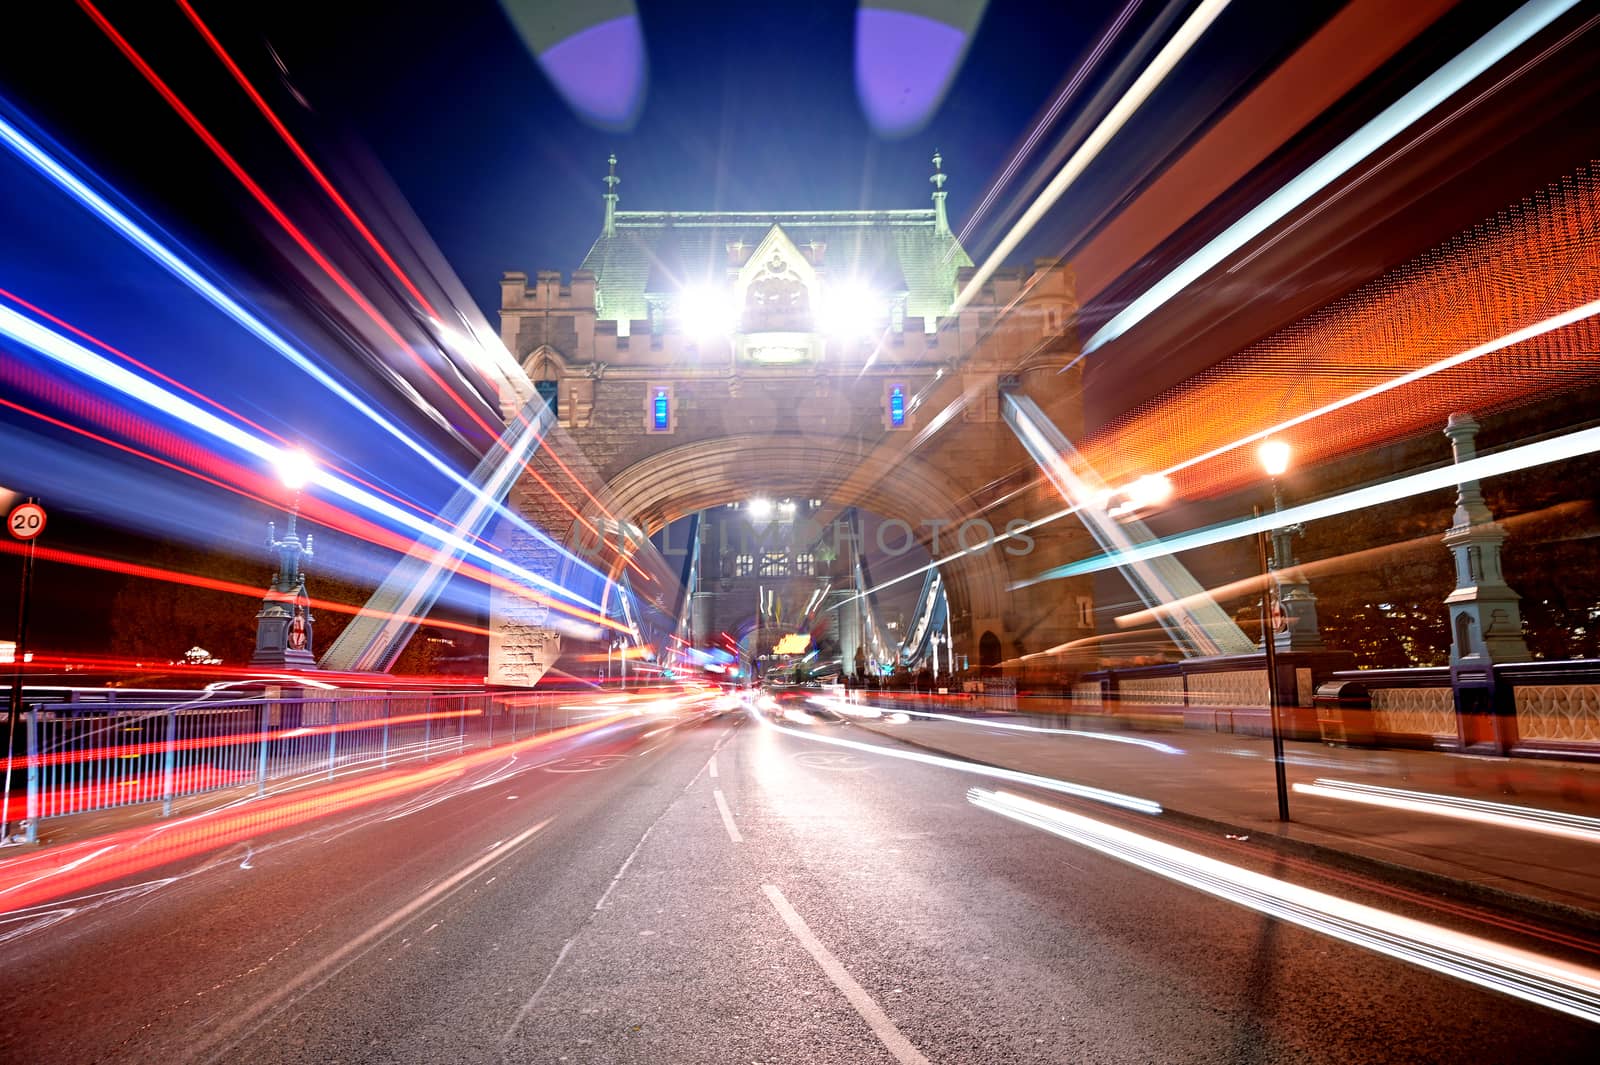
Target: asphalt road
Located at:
point(713, 892)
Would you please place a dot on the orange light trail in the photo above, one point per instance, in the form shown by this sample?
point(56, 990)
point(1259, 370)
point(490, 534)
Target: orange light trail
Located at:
point(202, 743)
point(62, 871)
point(1489, 282)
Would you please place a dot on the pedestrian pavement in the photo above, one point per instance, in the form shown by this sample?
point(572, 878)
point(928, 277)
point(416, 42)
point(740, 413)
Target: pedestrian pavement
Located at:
point(1226, 781)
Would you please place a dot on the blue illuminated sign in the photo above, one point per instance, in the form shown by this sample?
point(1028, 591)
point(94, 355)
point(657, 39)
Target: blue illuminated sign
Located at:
point(659, 411)
point(897, 406)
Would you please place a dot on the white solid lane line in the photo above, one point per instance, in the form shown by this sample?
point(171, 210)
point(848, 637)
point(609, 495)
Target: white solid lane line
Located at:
point(882, 1027)
point(727, 816)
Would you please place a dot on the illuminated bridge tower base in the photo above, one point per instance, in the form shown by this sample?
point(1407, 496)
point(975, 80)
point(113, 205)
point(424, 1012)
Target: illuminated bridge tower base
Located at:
point(702, 358)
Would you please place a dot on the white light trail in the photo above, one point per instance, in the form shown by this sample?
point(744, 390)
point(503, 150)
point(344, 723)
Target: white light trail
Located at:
point(1134, 741)
point(98, 205)
point(1098, 138)
point(1571, 445)
point(103, 371)
point(1067, 92)
point(1548, 982)
point(1434, 90)
point(164, 257)
point(1499, 814)
point(1518, 336)
point(1080, 791)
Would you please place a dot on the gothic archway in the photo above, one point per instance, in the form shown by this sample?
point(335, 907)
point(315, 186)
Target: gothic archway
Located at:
point(989, 653)
point(681, 480)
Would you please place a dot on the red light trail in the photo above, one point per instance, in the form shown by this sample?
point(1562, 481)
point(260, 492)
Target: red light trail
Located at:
point(231, 476)
point(213, 584)
point(305, 160)
point(277, 213)
point(304, 242)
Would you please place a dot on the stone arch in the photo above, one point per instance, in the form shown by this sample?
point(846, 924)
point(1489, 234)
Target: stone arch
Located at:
point(544, 363)
point(989, 652)
point(670, 484)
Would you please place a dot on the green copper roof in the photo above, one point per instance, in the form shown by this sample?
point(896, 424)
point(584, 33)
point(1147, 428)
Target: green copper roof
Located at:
point(658, 252)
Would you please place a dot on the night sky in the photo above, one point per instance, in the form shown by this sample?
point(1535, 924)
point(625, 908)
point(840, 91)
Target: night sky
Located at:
point(442, 112)
point(746, 106)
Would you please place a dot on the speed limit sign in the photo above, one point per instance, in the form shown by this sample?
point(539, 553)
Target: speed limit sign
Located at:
point(26, 521)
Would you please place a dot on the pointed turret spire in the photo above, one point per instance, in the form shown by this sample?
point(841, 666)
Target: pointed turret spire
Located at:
point(941, 223)
point(611, 197)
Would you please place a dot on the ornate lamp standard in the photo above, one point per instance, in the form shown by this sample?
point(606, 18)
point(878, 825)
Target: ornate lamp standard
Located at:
point(283, 626)
point(1274, 456)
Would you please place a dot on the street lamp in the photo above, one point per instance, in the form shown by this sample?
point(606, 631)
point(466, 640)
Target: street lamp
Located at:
point(1274, 457)
point(295, 469)
point(283, 626)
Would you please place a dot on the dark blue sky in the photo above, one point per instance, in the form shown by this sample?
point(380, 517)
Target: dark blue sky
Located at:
point(747, 106)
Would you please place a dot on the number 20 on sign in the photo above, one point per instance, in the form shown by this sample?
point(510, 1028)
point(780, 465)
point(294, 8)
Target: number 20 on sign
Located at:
point(26, 521)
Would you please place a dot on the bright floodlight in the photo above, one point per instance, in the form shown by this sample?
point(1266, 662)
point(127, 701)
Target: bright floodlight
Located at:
point(1148, 491)
point(761, 508)
point(295, 467)
point(1274, 456)
point(706, 311)
point(787, 506)
point(850, 311)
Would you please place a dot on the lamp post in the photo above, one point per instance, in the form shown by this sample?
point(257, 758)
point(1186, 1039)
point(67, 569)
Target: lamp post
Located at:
point(283, 626)
point(1274, 456)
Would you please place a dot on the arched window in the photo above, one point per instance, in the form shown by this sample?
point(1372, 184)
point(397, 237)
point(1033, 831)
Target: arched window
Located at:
point(550, 392)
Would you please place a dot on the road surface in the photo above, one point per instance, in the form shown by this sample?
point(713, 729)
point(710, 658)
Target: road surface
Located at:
point(717, 891)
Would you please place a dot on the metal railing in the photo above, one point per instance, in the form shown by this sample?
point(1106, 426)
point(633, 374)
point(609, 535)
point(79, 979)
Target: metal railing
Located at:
point(83, 757)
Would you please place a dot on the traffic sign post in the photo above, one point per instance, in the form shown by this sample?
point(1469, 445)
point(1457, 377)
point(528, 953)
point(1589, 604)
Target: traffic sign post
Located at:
point(25, 522)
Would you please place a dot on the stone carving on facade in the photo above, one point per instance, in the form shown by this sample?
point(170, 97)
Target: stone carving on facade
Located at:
point(777, 300)
point(1234, 687)
point(1164, 690)
point(521, 654)
point(1565, 713)
point(1414, 711)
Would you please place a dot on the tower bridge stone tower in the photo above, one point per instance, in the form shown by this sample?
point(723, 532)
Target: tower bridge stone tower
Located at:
point(698, 358)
